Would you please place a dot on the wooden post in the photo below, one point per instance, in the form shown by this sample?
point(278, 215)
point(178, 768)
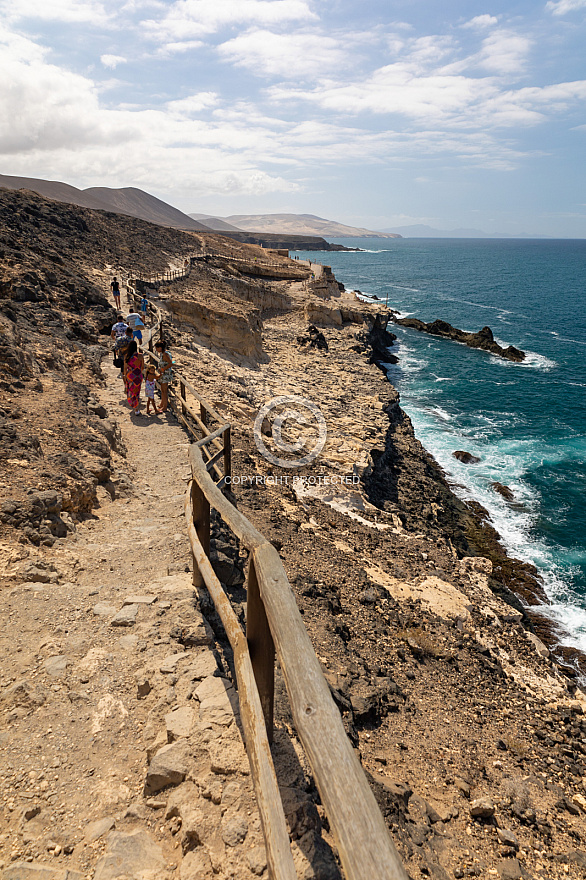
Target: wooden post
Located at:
point(161, 331)
point(201, 519)
point(182, 396)
point(261, 648)
point(204, 413)
point(227, 453)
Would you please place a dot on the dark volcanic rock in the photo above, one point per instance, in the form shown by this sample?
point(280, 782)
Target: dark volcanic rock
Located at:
point(503, 490)
point(483, 339)
point(465, 457)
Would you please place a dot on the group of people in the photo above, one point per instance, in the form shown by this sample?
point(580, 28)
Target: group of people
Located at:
point(127, 336)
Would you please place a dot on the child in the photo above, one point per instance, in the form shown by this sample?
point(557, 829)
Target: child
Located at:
point(144, 304)
point(149, 389)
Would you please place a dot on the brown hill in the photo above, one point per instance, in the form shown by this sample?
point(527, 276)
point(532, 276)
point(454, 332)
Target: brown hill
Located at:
point(302, 224)
point(130, 201)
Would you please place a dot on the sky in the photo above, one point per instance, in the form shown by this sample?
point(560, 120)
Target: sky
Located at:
point(382, 114)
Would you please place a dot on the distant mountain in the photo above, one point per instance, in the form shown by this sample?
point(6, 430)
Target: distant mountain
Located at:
point(130, 201)
point(419, 230)
point(296, 224)
point(215, 223)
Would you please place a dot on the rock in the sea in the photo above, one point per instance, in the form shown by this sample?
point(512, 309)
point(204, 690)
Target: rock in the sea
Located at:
point(465, 457)
point(483, 339)
point(503, 490)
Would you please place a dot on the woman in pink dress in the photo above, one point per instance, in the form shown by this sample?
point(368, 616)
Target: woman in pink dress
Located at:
point(133, 372)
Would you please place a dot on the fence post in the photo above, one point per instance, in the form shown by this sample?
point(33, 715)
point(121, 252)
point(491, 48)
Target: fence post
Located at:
point(182, 396)
point(203, 414)
point(227, 453)
point(261, 648)
point(201, 520)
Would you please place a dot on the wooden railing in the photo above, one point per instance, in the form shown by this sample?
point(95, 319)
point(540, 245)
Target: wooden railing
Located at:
point(168, 275)
point(274, 628)
point(274, 625)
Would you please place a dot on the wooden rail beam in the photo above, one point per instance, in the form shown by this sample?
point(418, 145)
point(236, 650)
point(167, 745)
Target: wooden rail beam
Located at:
point(364, 843)
point(270, 806)
point(201, 520)
point(261, 647)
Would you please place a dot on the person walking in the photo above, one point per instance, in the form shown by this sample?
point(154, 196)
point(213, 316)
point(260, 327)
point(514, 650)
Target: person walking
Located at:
point(165, 374)
point(133, 372)
point(115, 287)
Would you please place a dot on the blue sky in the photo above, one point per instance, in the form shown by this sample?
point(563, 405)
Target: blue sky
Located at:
point(379, 114)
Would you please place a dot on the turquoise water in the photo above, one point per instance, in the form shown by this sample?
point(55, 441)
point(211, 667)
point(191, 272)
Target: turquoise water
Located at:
point(526, 422)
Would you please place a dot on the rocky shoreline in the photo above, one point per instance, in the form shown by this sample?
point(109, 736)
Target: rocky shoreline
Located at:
point(483, 339)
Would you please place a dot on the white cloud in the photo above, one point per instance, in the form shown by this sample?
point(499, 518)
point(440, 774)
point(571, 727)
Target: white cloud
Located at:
point(193, 104)
point(481, 21)
point(112, 61)
point(193, 19)
point(286, 55)
point(398, 89)
point(40, 104)
point(70, 11)
point(169, 49)
point(504, 52)
point(562, 7)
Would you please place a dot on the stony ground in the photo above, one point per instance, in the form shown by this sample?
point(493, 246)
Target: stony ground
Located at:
point(105, 660)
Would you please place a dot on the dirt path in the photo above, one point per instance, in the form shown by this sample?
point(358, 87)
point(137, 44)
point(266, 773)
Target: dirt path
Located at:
point(85, 696)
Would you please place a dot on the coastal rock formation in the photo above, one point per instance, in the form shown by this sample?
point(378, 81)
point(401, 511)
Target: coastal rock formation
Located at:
point(507, 493)
point(465, 457)
point(483, 339)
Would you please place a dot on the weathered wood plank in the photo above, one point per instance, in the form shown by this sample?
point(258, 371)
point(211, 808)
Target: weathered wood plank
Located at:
point(364, 843)
point(261, 647)
point(249, 536)
point(272, 816)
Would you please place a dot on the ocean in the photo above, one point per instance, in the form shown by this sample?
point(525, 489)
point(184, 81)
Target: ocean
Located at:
point(526, 422)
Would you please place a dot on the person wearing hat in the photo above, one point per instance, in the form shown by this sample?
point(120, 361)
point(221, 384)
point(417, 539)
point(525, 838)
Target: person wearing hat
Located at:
point(135, 321)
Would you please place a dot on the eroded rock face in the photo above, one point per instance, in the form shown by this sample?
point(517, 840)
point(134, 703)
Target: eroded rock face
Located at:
point(223, 324)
